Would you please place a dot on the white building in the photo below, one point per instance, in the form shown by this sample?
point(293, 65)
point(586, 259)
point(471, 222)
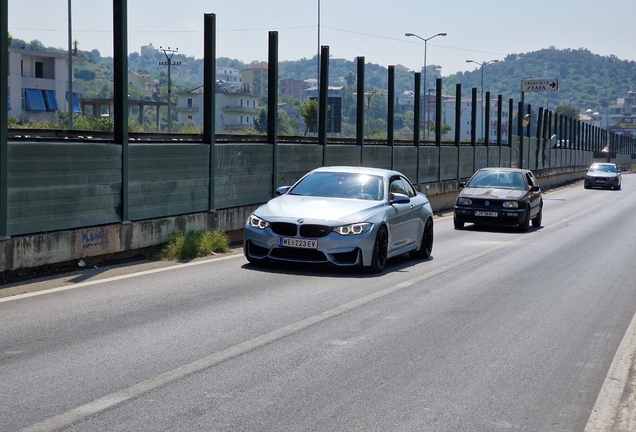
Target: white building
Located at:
point(38, 85)
point(448, 118)
point(230, 76)
point(234, 111)
point(235, 106)
point(148, 50)
point(146, 84)
point(619, 117)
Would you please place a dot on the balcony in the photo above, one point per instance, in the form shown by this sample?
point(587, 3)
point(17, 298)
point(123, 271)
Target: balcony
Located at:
point(241, 110)
point(187, 109)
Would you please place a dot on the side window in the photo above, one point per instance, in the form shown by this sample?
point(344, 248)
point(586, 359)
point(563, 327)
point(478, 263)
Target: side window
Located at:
point(397, 186)
point(408, 187)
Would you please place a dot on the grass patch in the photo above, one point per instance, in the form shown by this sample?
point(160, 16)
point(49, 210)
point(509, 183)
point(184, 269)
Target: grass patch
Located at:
point(194, 244)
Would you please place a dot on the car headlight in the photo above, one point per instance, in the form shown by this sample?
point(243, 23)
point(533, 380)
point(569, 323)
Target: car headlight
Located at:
point(353, 229)
point(510, 204)
point(464, 201)
point(256, 222)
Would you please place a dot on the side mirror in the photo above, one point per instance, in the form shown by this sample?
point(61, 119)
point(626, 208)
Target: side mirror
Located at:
point(282, 190)
point(398, 198)
point(462, 185)
point(535, 188)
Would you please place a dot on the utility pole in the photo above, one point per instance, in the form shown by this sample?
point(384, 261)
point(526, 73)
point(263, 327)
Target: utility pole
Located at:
point(169, 53)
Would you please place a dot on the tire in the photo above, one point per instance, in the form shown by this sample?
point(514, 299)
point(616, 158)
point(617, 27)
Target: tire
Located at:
point(525, 225)
point(536, 222)
point(426, 247)
point(380, 248)
point(586, 187)
point(458, 224)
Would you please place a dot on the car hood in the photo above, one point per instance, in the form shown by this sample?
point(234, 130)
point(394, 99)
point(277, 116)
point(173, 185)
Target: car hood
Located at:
point(493, 193)
point(318, 209)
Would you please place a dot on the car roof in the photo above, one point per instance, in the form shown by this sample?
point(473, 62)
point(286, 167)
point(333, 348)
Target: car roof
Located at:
point(359, 170)
point(603, 163)
point(521, 170)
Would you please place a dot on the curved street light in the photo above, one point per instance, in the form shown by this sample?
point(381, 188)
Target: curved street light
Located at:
point(425, 83)
point(481, 65)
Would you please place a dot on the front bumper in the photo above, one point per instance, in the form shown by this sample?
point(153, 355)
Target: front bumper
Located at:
point(601, 182)
point(506, 217)
point(334, 249)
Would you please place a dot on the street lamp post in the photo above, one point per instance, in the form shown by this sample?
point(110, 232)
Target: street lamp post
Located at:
point(428, 114)
point(481, 65)
point(169, 53)
point(425, 83)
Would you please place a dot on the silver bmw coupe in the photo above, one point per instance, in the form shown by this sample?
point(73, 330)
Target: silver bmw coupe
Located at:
point(343, 216)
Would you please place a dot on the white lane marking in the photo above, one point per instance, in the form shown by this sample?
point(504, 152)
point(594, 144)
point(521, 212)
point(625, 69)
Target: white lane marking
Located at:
point(116, 278)
point(606, 408)
point(109, 401)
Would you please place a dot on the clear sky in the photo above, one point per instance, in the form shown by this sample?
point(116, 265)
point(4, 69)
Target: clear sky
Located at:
point(481, 30)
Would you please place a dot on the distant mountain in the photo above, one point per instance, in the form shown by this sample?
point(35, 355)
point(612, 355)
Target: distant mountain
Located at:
point(586, 80)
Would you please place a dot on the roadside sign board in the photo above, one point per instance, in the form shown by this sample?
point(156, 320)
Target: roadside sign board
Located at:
point(539, 85)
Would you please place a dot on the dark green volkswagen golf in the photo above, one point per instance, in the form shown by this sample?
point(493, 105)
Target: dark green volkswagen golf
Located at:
point(500, 196)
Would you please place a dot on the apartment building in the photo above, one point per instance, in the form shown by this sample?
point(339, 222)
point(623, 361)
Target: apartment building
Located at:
point(38, 85)
point(619, 117)
point(146, 84)
point(235, 110)
point(294, 88)
point(230, 76)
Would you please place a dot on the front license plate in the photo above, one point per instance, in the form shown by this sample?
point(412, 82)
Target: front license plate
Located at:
point(485, 213)
point(298, 243)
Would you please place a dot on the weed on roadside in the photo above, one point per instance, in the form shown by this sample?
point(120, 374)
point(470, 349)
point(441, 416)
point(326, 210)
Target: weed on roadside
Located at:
point(194, 244)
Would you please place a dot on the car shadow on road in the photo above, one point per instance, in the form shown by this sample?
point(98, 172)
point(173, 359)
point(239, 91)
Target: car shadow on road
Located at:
point(499, 228)
point(395, 264)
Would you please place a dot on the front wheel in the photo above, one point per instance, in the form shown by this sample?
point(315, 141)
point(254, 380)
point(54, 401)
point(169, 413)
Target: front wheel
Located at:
point(523, 226)
point(536, 222)
point(457, 223)
point(380, 247)
point(426, 248)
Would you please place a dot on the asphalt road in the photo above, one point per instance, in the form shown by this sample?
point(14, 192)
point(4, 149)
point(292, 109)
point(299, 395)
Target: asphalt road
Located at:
point(498, 331)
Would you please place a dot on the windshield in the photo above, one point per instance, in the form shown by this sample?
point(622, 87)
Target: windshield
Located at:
point(340, 185)
point(603, 168)
point(498, 179)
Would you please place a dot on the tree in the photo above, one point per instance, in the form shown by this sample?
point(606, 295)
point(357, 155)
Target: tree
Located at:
point(309, 111)
point(260, 122)
point(566, 110)
point(444, 128)
point(283, 120)
point(350, 78)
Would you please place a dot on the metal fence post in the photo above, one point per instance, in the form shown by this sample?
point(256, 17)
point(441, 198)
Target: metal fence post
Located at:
point(209, 99)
